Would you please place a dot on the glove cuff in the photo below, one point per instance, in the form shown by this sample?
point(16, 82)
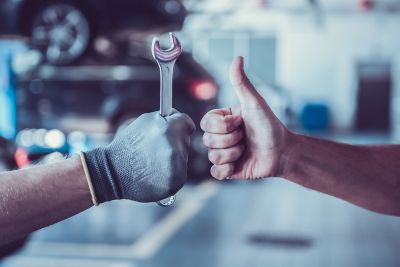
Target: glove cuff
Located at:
point(88, 179)
point(100, 170)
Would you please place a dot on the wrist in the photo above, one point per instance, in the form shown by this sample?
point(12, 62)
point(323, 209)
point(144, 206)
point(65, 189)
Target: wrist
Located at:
point(73, 167)
point(287, 160)
point(101, 175)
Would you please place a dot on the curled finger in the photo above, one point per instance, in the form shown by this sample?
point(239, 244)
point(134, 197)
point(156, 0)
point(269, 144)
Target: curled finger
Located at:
point(228, 155)
point(220, 123)
point(222, 140)
point(222, 172)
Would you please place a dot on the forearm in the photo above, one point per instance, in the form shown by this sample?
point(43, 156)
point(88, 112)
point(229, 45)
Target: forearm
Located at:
point(36, 197)
point(368, 176)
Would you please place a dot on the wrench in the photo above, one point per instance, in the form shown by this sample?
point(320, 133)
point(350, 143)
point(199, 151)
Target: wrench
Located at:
point(166, 60)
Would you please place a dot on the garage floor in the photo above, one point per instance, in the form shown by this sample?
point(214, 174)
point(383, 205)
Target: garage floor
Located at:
point(264, 223)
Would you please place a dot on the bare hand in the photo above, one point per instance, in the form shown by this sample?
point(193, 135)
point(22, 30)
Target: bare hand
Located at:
point(244, 142)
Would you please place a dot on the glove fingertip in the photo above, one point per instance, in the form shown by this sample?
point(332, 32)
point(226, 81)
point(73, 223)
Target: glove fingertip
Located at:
point(191, 125)
point(187, 120)
point(174, 111)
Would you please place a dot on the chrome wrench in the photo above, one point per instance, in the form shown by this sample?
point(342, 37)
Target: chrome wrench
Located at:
point(166, 61)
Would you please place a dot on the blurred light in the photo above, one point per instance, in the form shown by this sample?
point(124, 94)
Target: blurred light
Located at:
point(261, 3)
point(26, 61)
point(105, 47)
point(54, 139)
point(172, 7)
point(76, 139)
point(52, 157)
point(36, 86)
point(365, 4)
point(102, 44)
point(47, 72)
point(25, 138)
point(121, 73)
point(21, 157)
point(203, 90)
point(38, 137)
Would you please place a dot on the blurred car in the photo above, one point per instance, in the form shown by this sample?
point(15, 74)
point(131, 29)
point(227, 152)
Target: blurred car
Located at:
point(76, 107)
point(64, 29)
point(7, 151)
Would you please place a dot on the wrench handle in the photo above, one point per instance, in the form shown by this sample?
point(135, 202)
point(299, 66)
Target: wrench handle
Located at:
point(166, 77)
point(166, 61)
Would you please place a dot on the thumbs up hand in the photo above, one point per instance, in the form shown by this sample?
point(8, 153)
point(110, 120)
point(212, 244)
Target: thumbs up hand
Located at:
point(245, 142)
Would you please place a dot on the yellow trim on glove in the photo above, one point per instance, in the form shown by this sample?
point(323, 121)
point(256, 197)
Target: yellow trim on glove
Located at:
point(89, 179)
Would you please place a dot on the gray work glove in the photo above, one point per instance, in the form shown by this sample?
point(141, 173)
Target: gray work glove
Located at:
point(146, 162)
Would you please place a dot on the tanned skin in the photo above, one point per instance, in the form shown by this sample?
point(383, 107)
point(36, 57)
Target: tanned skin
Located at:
point(38, 196)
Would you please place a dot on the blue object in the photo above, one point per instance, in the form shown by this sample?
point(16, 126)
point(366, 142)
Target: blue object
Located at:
point(315, 117)
point(7, 88)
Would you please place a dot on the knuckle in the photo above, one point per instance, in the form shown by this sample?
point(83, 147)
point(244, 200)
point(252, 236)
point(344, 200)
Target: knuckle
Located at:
point(232, 153)
point(218, 158)
point(229, 170)
point(215, 172)
point(222, 172)
point(237, 153)
point(207, 139)
point(214, 157)
point(211, 156)
point(230, 140)
point(225, 119)
point(204, 122)
point(230, 124)
point(226, 127)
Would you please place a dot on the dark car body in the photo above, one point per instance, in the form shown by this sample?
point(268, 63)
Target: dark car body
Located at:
point(105, 15)
point(98, 98)
point(110, 92)
point(65, 30)
point(7, 151)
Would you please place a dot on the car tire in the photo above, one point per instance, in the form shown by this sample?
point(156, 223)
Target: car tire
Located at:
point(62, 32)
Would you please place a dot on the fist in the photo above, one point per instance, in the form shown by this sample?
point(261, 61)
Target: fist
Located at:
point(146, 162)
point(245, 142)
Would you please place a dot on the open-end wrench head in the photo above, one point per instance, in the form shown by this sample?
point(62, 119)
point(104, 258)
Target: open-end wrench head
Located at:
point(168, 55)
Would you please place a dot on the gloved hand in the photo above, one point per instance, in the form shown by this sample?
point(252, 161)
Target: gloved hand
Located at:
point(146, 162)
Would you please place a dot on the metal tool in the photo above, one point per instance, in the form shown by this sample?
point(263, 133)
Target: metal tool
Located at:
point(166, 60)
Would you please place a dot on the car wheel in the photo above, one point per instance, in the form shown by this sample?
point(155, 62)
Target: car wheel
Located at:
point(62, 32)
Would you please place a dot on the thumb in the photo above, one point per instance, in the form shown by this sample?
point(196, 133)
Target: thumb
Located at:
point(247, 94)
